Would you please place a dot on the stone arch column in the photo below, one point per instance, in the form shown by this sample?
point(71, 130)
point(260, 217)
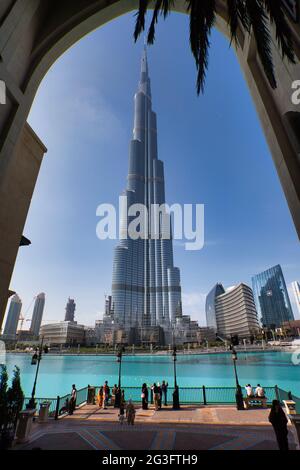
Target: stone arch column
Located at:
point(35, 33)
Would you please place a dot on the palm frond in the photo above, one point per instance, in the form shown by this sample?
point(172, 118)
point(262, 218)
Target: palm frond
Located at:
point(202, 19)
point(283, 31)
point(151, 33)
point(258, 19)
point(166, 7)
point(251, 14)
point(237, 13)
point(140, 19)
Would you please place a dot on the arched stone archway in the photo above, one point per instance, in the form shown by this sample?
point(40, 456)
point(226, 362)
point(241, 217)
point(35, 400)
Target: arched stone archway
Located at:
point(35, 33)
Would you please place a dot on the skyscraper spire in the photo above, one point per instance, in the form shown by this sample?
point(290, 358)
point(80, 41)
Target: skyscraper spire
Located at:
point(146, 285)
point(144, 80)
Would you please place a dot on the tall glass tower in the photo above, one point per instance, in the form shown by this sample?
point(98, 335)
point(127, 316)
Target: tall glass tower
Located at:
point(37, 315)
point(271, 297)
point(145, 285)
point(12, 320)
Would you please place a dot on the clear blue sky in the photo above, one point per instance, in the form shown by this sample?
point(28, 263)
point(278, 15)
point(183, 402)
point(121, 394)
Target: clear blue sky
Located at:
point(214, 152)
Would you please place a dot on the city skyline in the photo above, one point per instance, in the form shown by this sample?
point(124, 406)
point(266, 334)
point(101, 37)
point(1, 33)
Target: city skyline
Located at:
point(90, 121)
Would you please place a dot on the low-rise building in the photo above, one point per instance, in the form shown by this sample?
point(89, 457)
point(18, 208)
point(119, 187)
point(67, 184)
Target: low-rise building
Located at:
point(65, 333)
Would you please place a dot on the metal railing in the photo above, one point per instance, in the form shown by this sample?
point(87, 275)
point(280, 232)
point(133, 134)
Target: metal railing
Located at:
point(188, 396)
point(284, 395)
point(39, 401)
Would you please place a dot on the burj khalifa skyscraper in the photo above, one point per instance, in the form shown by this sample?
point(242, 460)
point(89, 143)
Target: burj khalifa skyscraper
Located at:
point(146, 288)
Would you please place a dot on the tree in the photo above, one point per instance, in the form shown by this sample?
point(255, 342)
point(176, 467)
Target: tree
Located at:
point(15, 397)
point(11, 403)
point(3, 396)
point(255, 16)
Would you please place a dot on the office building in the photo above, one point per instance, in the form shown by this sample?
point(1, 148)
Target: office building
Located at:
point(271, 298)
point(12, 320)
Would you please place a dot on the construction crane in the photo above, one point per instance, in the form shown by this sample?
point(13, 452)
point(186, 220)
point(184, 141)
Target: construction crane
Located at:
point(22, 317)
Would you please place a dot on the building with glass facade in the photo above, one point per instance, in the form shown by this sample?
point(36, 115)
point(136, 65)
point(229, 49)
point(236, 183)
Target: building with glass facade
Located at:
point(271, 297)
point(232, 312)
point(12, 320)
point(70, 310)
point(37, 315)
point(210, 306)
point(146, 289)
point(296, 291)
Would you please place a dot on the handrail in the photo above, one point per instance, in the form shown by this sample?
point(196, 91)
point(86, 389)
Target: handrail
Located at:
point(202, 395)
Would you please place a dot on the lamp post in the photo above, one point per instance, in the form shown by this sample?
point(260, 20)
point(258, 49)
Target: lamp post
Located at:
point(238, 394)
point(176, 403)
point(174, 354)
point(36, 359)
point(119, 359)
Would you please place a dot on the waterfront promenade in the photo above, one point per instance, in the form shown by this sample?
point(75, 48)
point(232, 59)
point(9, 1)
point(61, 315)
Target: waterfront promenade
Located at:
point(191, 428)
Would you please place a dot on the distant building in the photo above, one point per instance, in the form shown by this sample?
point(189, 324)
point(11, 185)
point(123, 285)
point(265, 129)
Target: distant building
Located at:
point(206, 334)
point(24, 336)
point(291, 328)
point(271, 297)
point(232, 312)
point(296, 291)
point(210, 304)
point(70, 310)
point(67, 333)
point(12, 320)
point(37, 315)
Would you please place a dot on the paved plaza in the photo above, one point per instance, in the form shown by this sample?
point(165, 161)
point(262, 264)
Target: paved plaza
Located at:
point(206, 428)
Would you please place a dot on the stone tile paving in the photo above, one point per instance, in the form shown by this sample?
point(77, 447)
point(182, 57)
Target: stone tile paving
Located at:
point(210, 428)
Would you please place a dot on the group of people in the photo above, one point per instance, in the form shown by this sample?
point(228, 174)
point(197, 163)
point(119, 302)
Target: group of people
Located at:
point(159, 395)
point(116, 398)
point(258, 393)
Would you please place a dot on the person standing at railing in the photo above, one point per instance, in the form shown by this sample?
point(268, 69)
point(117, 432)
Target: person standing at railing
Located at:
point(144, 397)
point(279, 422)
point(100, 397)
point(106, 391)
point(164, 389)
point(156, 396)
point(72, 403)
point(117, 402)
point(159, 396)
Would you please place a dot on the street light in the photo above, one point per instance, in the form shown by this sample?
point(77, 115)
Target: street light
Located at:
point(174, 354)
point(238, 394)
point(176, 403)
point(119, 359)
point(35, 360)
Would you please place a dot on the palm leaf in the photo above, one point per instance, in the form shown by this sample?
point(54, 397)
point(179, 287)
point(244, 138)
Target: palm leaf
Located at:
point(202, 19)
point(258, 19)
point(255, 14)
point(237, 13)
point(283, 31)
point(151, 33)
point(140, 19)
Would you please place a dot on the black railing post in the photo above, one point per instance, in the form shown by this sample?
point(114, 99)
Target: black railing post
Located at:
point(277, 393)
point(204, 395)
point(57, 408)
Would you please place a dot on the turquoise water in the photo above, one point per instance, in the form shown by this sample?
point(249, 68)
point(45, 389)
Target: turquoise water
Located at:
point(58, 373)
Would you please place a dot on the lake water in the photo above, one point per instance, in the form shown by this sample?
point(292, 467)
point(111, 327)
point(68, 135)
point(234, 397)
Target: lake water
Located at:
point(58, 373)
